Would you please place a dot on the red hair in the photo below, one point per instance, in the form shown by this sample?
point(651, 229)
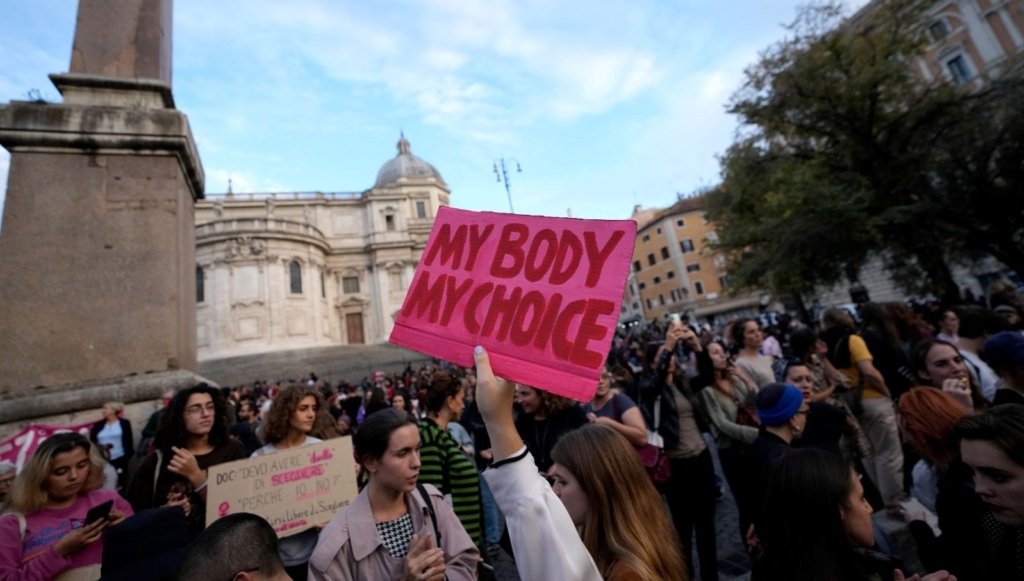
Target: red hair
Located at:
point(927, 416)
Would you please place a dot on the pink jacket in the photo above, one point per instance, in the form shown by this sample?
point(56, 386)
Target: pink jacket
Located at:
point(350, 548)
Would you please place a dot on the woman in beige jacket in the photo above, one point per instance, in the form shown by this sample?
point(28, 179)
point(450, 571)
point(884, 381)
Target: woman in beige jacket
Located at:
point(395, 529)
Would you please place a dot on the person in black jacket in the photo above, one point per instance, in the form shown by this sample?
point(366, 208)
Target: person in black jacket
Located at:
point(672, 409)
point(114, 433)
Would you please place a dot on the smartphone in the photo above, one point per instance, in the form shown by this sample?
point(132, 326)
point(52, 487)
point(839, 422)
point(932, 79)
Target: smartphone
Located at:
point(675, 318)
point(100, 511)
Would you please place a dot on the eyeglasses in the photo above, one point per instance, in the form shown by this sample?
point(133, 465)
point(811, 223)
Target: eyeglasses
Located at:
point(197, 410)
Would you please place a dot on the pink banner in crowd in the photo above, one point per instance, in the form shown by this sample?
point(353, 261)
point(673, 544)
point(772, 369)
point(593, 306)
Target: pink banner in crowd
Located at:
point(542, 295)
point(19, 447)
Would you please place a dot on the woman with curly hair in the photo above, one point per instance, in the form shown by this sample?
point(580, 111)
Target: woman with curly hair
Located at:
point(543, 418)
point(46, 535)
point(193, 435)
point(288, 424)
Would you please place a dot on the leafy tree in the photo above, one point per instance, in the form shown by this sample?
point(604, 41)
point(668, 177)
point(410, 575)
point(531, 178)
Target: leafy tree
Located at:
point(844, 153)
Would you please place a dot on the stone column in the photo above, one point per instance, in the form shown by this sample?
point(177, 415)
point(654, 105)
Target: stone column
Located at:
point(97, 250)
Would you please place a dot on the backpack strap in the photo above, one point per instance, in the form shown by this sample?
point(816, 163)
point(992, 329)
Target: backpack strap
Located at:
point(430, 509)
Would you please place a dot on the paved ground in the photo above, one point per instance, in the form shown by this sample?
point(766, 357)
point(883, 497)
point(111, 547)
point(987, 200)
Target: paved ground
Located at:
point(343, 362)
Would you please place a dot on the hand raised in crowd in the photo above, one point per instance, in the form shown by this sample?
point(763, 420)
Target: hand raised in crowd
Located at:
point(184, 464)
point(960, 389)
point(424, 561)
point(494, 400)
point(79, 538)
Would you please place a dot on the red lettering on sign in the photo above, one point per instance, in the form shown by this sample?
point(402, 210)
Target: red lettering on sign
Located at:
point(425, 296)
point(476, 240)
point(569, 247)
point(513, 237)
point(504, 308)
point(589, 331)
point(535, 271)
point(450, 248)
point(453, 297)
point(469, 314)
point(522, 334)
point(597, 256)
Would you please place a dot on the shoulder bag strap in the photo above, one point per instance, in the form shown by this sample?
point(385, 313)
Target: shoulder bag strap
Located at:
point(156, 472)
point(430, 509)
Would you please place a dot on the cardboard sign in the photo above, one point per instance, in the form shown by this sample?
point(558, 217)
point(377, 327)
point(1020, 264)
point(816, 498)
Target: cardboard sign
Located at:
point(293, 489)
point(542, 295)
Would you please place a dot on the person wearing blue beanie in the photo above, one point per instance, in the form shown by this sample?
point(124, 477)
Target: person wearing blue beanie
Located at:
point(783, 414)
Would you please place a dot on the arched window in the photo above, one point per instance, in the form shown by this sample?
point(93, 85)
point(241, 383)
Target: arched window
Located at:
point(295, 277)
point(200, 284)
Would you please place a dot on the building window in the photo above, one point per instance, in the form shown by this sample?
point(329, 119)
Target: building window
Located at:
point(389, 222)
point(674, 295)
point(657, 280)
point(636, 266)
point(395, 280)
point(295, 277)
point(650, 259)
point(636, 306)
point(686, 245)
point(200, 284)
point(643, 285)
point(680, 223)
point(698, 287)
point(659, 230)
point(939, 29)
point(671, 274)
point(664, 253)
point(720, 261)
point(350, 284)
point(323, 286)
point(958, 69)
point(692, 267)
point(724, 281)
point(661, 300)
point(649, 304)
point(712, 237)
point(421, 209)
point(647, 237)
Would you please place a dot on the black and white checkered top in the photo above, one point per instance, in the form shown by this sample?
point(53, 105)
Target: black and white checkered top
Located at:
point(396, 535)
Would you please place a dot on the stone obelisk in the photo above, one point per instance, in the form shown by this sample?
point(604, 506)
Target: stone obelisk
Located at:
point(97, 249)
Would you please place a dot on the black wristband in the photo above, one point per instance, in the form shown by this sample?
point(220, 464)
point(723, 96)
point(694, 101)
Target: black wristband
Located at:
point(511, 459)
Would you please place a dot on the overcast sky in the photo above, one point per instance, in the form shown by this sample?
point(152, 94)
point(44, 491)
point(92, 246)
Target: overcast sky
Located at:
point(603, 104)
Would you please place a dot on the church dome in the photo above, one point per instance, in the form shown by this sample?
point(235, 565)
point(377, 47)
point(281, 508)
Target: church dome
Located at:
point(406, 165)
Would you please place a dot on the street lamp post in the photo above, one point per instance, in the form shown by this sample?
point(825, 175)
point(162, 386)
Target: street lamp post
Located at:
point(503, 176)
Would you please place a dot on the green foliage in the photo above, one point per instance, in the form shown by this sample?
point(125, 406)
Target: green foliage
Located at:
point(844, 153)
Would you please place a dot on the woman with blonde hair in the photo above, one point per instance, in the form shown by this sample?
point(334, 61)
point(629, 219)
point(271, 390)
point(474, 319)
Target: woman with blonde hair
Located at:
point(115, 434)
point(46, 533)
point(289, 424)
point(611, 500)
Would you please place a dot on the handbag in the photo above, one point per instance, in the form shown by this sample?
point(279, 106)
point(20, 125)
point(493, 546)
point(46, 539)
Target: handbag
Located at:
point(652, 454)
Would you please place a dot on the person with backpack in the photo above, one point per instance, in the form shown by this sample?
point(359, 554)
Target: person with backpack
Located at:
point(850, 355)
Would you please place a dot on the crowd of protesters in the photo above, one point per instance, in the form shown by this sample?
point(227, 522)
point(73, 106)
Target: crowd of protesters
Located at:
point(819, 427)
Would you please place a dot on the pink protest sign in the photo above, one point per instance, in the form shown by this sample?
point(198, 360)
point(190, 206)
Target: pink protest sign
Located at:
point(20, 446)
point(542, 295)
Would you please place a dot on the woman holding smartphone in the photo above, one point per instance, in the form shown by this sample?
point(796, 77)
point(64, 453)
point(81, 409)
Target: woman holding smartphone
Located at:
point(48, 532)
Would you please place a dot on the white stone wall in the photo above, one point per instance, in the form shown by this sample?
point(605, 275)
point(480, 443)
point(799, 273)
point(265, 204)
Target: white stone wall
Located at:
point(245, 244)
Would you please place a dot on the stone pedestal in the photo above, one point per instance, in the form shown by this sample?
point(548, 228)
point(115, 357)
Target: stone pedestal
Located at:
point(97, 249)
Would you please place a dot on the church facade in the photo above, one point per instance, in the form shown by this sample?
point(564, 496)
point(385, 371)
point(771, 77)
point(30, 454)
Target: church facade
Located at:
point(280, 271)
